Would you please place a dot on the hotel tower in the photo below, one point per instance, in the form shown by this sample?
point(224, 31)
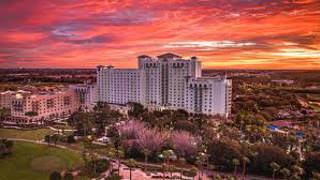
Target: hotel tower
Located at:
point(166, 82)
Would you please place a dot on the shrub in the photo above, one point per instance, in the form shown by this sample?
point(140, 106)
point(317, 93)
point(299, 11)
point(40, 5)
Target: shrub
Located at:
point(68, 176)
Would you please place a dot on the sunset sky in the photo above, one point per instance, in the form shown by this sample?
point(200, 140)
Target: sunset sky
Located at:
point(255, 34)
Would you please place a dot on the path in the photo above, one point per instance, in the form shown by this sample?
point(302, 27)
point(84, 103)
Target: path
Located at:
point(61, 130)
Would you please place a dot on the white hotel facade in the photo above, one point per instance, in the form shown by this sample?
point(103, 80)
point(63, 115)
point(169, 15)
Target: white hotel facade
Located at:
point(166, 82)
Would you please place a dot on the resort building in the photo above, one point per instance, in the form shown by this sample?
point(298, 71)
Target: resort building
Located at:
point(166, 82)
point(39, 107)
point(5, 99)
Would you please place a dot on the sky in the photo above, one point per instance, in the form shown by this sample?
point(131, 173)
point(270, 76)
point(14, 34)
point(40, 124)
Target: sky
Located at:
point(223, 34)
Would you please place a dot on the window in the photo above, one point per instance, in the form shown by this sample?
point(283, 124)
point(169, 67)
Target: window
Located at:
point(50, 103)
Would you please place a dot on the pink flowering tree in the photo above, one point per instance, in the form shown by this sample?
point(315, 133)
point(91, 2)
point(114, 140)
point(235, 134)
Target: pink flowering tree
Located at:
point(151, 141)
point(184, 143)
point(131, 129)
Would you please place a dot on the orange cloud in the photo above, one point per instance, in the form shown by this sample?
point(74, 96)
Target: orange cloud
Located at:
point(258, 34)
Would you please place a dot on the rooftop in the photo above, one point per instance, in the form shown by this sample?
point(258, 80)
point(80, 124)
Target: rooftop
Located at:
point(144, 56)
point(169, 55)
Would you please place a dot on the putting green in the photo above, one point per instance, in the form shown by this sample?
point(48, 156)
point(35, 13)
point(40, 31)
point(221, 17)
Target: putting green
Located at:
point(34, 161)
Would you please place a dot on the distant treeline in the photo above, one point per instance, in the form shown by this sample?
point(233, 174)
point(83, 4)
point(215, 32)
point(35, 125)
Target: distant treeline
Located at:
point(32, 78)
point(48, 71)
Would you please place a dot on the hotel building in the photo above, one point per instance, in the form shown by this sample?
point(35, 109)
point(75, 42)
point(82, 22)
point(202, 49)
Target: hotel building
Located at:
point(166, 82)
point(86, 94)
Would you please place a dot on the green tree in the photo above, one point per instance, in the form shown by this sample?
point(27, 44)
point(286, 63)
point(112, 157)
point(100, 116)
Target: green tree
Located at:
point(5, 147)
point(55, 138)
point(47, 139)
point(83, 121)
point(222, 153)
point(116, 141)
point(91, 156)
point(136, 110)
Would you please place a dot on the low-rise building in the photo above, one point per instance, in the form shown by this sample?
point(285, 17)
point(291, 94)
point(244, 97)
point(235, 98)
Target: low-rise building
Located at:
point(37, 108)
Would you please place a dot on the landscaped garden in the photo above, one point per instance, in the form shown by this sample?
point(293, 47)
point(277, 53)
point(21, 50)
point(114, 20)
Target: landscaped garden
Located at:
point(34, 161)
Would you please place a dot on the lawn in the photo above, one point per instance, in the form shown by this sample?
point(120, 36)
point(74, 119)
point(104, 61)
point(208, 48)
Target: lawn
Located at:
point(25, 134)
point(34, 161)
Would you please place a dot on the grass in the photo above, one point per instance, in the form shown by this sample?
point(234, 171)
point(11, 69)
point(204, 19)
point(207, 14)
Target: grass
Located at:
point(52, 163)
point(25, 134)
point(34, 161)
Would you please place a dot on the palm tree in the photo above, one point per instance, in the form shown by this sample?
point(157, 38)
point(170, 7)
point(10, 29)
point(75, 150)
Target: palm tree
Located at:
point(201, 159)
point(167, 155)
point(86, 122)
point(131, 164)
point(164, 167)
point(275, 167)
point(88, 150)
point(245, 161)
point(292, 141)
point(146, 153)
point(235, 163)
point(116, 140)
point(194, 171)
point(171, 169)
point(285, 173)
point(119, 155)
